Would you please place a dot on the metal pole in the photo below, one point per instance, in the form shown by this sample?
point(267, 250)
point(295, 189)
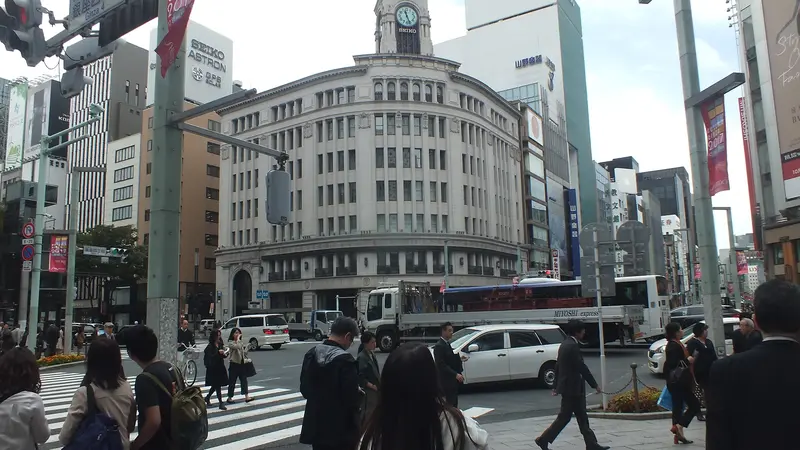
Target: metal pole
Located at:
point(599, 296)
point(704, 215)
point(732, 262)
point(196, 295)
point(337, 302)
point(519, 261)
point(164, 251)
point(36, 276)
point(73, 247)
point(446, 264)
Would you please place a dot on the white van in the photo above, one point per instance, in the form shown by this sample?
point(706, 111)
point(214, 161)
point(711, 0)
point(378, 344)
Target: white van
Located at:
point(260, 330)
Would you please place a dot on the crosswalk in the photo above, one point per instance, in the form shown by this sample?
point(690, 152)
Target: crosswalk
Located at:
point(275, 415)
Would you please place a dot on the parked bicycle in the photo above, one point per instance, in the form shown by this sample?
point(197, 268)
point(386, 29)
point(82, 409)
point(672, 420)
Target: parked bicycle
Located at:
point(188, 365)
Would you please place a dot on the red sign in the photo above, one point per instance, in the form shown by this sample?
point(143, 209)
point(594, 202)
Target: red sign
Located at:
point(58, 253)
point(28, 230)
point(714, 118)
point(442, 288)
point(741, 263)
point(748, 163)
point(178, 12)
point(697, 272)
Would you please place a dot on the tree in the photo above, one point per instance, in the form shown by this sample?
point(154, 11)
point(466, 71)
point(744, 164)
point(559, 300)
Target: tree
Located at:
point(119, 271)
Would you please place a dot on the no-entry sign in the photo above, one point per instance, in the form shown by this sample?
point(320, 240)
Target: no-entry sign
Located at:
point(28, 230)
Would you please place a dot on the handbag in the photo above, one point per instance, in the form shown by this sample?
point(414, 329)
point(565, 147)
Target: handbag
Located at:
point(679, 375)
point(665, 399)
point(699, 393)
point(249, 368)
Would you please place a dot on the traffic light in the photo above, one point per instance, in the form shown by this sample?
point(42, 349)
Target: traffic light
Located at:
point(115, 252)
point(19, 29)
point(126, 19)
point(279, 192)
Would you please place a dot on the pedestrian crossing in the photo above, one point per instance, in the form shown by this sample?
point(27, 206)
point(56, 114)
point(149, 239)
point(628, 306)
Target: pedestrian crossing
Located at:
point(275, 415)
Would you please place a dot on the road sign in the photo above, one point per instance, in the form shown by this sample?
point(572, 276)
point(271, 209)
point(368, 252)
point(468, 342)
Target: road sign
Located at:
point(28, 230)
point(87, 12)
point(587, 237)
point(27, 266)
point(27, 252)
point(90, 250)
point(633, 238)
point(28, 241)
point(598, 265)
point(262, 294)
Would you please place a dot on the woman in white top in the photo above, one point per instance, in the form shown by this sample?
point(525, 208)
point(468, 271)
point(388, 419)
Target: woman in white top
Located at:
point(112, 392)
point(23, 424)
point(411, 413)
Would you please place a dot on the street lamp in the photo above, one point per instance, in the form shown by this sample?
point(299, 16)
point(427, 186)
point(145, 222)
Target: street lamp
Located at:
point(704, 215)
point(733, 270)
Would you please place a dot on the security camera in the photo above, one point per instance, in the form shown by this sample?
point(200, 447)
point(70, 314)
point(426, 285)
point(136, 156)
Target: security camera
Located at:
point(96, 110)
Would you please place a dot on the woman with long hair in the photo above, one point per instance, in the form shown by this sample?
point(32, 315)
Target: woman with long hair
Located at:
point(369, 374)
point(680, 381)
point(236, 368)
point(411, 414)
point(214, 360)
point(701, 345)
point(112, 393)
point(24, 425)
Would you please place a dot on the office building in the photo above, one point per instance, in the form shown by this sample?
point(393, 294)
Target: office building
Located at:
point(532, 51)
point(119, 86)
point(122, 196)
point(678, 264)
point(772, 129)
point(674, 192)
point(393, 160)
point(5, 98)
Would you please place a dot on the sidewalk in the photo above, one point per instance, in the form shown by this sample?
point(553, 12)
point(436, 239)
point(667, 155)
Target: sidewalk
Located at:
point(618, 434)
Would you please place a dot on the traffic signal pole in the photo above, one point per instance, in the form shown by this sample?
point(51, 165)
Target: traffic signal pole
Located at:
point(163, 308)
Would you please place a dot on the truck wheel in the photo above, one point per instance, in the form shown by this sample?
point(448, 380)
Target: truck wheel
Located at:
point(547, 375)
point(386, 341)
point(317, 335)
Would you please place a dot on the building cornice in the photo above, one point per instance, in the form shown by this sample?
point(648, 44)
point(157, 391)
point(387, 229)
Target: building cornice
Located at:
point(481, 86)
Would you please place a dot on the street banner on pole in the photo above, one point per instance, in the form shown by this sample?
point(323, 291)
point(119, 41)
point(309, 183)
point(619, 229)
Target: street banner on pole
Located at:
point(58, 253)
point(714, 118)
point(178, 12)
point(751, 187)
point(741, 263)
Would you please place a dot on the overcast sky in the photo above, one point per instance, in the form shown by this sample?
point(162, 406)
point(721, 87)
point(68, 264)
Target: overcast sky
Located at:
point(635, 96)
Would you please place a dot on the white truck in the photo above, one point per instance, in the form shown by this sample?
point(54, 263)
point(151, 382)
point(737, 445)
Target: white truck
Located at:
point(407, 311)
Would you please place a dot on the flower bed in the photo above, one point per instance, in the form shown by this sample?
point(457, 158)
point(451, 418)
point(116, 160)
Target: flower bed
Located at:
point(624, 403)
point(59, 359)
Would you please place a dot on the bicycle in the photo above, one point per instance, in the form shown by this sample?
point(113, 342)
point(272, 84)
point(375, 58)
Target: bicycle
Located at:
point(189, 367)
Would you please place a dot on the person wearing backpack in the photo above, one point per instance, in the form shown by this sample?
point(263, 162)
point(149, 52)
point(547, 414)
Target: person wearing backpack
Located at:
point(23, 424)
point(103, 410)
point(171, 416)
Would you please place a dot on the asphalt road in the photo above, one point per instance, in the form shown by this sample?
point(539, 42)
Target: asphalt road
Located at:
point(280, 369)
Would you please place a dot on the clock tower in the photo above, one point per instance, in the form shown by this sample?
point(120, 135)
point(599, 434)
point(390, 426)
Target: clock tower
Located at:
point(403, 26)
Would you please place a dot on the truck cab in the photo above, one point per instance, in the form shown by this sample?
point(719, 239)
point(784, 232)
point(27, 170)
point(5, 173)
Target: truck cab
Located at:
point(318, 328)
point(380, 316)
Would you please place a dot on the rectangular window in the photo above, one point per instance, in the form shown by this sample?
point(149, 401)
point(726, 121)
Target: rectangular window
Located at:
point(431, 126)
point(391, 126)
point(125, 154)
point(329, 126)
point(147, 192)
point(380, 191)
point(249, 179)
point(148, 168)
point(443, 193)
point(212, 170)
point(299, 168)
point(123, 193)
point(249, 209)
point(320, 196)
point(406, 158)
point(340, 160)
point(351, 126)
point(212, 240)
point(419, 193)
point(351, 160)
point(351, 95)
point(319, 132)
point(406, 191)
point(340, 128)
point(434, 191)
point(431, 159)
point(353, 224)
point(442, 122)
point(212, 216)
point(212, 194)
point(378, 124)
point(213, 147)
point(255, 178)
point(147, 215)
point(330, 162)
point(352, 189)
point(442, 160)
point(392, 157)
point(213, 125)
point(299, 200)
point(233, 183)
point(122, 213)
point(408, 223)
point(149, 145)
point(418, 158)
point(210, 264)
point(417, 125)
point(406, 125)
point(330, 194)
point(379, 163)
point(340, 193)
point(125, 173)
point(381, 223)
point(150, 122)
point(320, 164)
point(392, 190)
point(393, 223)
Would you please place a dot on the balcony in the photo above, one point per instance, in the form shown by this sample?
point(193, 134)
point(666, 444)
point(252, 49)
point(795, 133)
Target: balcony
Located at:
point(293, 275)
point(346, 271)
point(323, 273)
point(438, 269)
point(489, 271)
point(475, 270)
point(417, 268)
point(276, 276)
point(508, 273)
point(388, 270)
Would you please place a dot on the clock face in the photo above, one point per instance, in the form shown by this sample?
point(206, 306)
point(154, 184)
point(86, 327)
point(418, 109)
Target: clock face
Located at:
point(406, 16)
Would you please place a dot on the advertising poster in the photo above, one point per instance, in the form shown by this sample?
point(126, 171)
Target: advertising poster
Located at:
point(58, 253)
point(714, 118)
point(697, 273)
point(58, 114)
point(557, 219)
point(751, 187)
point(783, 45)
point(535, 127)
point(741, 263)
point(15, 137)
point(574, 235)
point(36, 119)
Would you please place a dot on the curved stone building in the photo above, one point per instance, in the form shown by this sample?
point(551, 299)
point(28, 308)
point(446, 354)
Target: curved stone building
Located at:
point(392, 160)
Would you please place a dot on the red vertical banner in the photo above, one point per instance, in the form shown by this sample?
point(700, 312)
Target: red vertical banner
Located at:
point(714, 118)
point(58, 254)
point(741, 263)
point(697, 273)
point(178, 12)
point(748, 163)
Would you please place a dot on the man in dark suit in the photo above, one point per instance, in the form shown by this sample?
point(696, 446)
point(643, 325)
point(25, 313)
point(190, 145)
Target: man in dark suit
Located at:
point(571, 378)
point(751, 395)
point(449, 366)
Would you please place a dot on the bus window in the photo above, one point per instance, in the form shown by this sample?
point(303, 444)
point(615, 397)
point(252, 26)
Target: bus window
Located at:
point(662, 286)
point(630, 293)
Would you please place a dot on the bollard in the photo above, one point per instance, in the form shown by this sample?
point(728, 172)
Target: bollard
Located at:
point(635, 379)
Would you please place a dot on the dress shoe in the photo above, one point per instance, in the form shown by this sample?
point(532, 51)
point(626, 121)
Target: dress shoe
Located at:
point(542, 443)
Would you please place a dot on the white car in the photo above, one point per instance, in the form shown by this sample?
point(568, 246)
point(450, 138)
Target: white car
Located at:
point(260, 330)
point(655, 354)
point(508, 352)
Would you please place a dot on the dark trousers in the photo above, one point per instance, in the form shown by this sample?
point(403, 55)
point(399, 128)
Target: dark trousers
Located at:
point(451, 396)
point(571, 404)
point(682, 396)
point(236, 371)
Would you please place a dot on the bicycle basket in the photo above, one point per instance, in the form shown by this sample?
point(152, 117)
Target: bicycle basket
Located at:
point(193, 354)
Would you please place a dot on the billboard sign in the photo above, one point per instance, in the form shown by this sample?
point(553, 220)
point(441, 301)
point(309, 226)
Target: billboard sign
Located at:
point(58, 254)
point(535, 127)
point(714, 118)
point(741, 263)
point(36, 119)
point(58, 115)
point(15, 138)
point(574, 227)
point(751, 187)
point(783, 46)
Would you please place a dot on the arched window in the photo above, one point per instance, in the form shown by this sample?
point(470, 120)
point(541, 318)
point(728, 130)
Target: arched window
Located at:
point(390, 91)
point(417, 92)
point(403, 91)
point(439, 95)
point(428, 93)
point(378, 91)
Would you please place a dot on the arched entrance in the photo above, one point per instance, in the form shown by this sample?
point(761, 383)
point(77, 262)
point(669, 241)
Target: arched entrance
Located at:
point(242, 292)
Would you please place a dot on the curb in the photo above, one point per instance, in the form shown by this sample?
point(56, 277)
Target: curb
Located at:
point(59, 366)
point(629, 416)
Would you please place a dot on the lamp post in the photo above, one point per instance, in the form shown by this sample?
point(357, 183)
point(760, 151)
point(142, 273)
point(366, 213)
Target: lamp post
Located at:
point(733, 270)
point(75, 192)
point(694, 98)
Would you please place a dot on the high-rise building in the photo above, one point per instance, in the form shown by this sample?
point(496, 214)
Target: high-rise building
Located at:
point(119, 86)
point(532, 51)
point(771, 119)
point(394, 161)
point(5, 96)
point(674, 192)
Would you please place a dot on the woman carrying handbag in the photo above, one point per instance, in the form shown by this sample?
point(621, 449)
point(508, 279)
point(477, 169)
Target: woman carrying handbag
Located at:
point(703, 349)
point(240, 366)
point(214, 360)
point(680, 382)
